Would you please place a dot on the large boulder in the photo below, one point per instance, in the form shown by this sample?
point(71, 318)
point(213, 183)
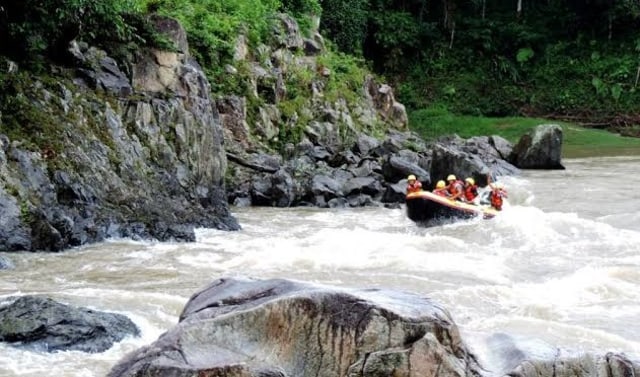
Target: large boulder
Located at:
point(46, 325)
point(400, 166)
point(476, 157)
point(99, 71)
point(275, 190)
point(541, 148)
point(245, 327)
point(534, 358)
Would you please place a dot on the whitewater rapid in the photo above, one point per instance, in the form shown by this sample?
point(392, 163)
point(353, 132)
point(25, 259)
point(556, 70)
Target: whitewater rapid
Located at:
point(559, 266)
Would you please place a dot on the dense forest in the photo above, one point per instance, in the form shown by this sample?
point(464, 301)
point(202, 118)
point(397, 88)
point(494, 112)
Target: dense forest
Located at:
point(576, 60)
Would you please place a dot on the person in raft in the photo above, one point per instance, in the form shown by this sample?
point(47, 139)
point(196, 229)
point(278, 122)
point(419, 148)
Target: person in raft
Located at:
point(413, 185)
point(470, 190)
point(497, 195)
point(441, 189)
point(455, 188)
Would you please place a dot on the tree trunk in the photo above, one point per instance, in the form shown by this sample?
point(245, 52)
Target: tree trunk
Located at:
point(446, 11)
point(453, 33)
point(484, 9)
point(519, 8)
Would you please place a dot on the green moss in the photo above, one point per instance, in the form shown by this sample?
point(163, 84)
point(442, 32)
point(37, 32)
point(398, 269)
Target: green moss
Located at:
point(28, 115)
point(11, 190)
point(25, 212)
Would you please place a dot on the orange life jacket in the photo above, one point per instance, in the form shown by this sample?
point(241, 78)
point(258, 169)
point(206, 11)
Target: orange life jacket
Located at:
point(470, 192)
point(456, 187)
point(415, 187)
point(441, 192)
point(496, 198)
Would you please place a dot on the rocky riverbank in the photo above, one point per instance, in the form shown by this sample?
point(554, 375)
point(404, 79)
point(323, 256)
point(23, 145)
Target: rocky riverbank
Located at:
point(92, 152)
point(103, 149)
point(348, 153)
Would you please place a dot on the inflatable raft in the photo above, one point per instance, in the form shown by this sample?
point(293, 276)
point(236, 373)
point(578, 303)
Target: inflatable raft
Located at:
point(425, 207)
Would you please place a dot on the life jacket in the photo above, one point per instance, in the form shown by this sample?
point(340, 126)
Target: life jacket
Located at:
point(470, 192)
point(496, 198)
point(456, 187)
point(415, 187)
point(441, 192)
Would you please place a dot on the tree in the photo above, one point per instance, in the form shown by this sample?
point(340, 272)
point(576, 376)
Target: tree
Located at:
point(37, 27)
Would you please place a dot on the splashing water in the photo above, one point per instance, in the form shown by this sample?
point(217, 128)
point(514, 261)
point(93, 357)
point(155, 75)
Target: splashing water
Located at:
point(559, 265)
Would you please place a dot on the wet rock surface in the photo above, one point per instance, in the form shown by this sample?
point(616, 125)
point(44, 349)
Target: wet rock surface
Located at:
point(247, 327)
point(42, 324)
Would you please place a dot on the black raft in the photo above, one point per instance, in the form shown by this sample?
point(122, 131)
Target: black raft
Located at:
point(426, 208)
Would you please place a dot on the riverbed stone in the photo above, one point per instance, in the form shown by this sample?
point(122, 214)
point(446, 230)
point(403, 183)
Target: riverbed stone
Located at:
point(249, 327)
point(529, 357)
point(42, 324)
point(541, 148)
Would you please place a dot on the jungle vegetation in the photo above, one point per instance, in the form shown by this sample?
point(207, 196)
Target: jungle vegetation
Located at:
point(573, 60)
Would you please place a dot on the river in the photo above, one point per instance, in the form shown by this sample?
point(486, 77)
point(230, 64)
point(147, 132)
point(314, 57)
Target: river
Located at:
point(560, 265)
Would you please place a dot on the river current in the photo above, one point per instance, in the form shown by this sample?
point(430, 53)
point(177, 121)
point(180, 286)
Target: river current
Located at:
point(560, 265)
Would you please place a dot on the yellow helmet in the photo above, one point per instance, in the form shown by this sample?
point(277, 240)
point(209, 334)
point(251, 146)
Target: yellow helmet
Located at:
point(451, 177)
point(411, 178)
point(440, 184)
point(470, 181)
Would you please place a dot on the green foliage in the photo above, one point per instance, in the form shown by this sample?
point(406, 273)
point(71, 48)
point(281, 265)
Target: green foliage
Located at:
point(434, 122)
point(345, 22)
point(347, 74)
point(524, 55)
point(44, 27)
point(301, 7)
point(23, 117)
point(213, 27)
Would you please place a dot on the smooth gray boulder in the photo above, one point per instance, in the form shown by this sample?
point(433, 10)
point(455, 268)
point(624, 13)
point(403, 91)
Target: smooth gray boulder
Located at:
point(246, 327)
point(517, 357)
point(541, 148)
point(43, 324)
point(475, 157)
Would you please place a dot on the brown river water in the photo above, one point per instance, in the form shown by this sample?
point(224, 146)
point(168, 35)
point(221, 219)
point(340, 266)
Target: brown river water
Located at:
point(560, 265)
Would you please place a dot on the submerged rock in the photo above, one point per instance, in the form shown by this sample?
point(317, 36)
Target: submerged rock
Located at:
point(43, 324)
point(244, 327)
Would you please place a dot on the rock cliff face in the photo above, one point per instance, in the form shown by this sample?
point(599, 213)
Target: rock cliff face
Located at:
point(116, 155)
point(317, 150)
point(348, 149)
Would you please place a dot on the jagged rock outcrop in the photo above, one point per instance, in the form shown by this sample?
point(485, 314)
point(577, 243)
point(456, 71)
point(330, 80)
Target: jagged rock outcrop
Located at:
point(146, 161)
point(45, 325)
point(244, 327)
point(476, 157)
point(336, 161)
point(540, 148)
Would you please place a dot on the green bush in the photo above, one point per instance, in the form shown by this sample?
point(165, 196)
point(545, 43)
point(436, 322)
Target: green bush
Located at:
point(345, 22)
point(45, 27)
